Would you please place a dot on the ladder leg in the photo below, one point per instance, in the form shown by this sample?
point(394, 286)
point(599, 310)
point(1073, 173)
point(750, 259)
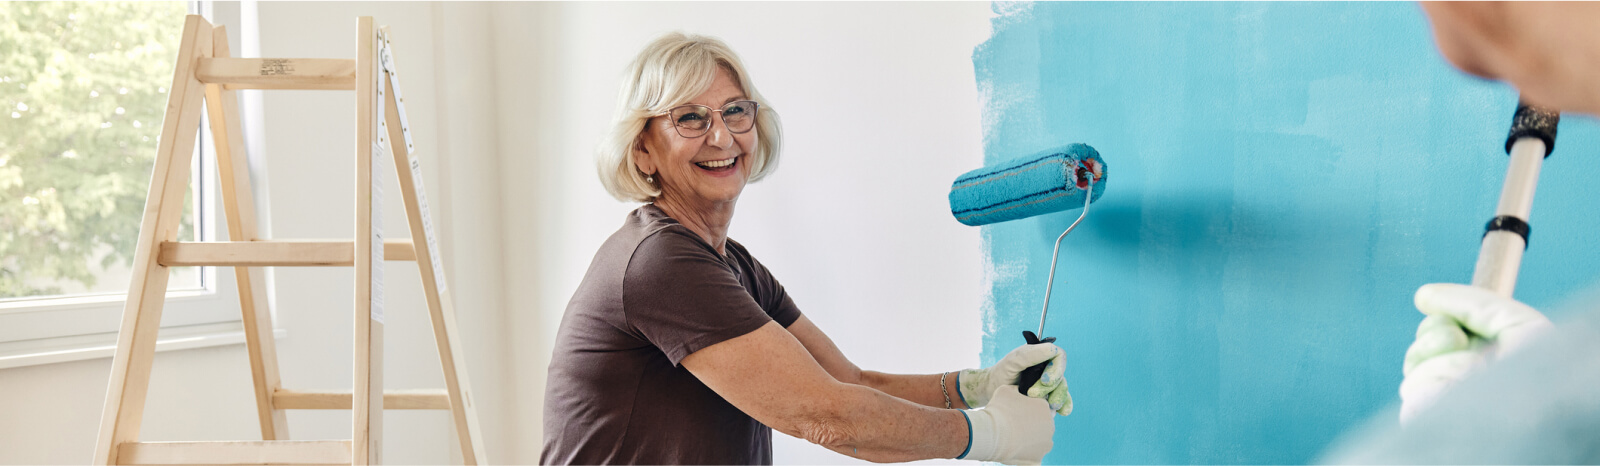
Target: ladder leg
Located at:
point(367, 402)
point(440, 308)
point(141, 315)
point(238, 201)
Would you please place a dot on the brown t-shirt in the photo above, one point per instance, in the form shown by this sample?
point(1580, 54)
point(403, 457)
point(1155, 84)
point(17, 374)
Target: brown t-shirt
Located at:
point(654, 294)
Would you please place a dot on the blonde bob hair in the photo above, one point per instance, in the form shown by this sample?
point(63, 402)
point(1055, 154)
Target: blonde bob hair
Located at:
point(670, 71)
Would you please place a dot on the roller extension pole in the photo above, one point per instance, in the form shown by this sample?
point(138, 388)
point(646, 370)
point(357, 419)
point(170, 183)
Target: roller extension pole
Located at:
point(1532, 138)
point(1030, 376)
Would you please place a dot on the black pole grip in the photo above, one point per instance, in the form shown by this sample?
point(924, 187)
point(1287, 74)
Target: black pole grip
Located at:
point(1511, 224)
point(1031, 375)
point(1535, 122)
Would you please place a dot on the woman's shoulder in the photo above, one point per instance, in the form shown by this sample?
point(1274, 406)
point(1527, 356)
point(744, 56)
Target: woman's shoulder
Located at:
point(659, 233)
point(642, 231)
point(671, 247)
point(646, 224)
point(736, 248)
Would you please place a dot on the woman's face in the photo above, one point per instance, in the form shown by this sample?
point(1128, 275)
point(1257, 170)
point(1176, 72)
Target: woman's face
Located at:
point(697, 170)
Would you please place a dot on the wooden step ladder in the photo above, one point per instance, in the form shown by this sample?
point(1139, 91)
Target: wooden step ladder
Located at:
point(206, 73)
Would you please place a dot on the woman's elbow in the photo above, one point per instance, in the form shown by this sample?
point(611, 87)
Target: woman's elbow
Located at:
point(824, 423)
point(841, 437)
point(832, 433)
point(842, 427)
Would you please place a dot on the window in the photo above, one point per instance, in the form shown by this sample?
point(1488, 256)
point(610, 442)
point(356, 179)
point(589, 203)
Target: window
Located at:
point(86, 91)
point(83, 87)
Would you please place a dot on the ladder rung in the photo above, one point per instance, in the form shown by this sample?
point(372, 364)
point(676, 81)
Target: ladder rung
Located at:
point(278, 73)
point(393, 250)
point(427, 398)
point(274, 253)
point(241, 452)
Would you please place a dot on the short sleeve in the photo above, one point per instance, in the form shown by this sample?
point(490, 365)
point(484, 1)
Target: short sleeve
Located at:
point(679, 294)
point(786, 312)
point(773, 298)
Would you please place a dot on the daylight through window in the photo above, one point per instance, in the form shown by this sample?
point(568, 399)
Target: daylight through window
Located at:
point(83, 87)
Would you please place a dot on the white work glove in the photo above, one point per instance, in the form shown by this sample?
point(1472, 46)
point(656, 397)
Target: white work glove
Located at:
point(976, 385)
point(1445, 353)
point(1013, 429)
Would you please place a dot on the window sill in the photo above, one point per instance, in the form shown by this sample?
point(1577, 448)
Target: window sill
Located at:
point(113, 299)
point(72, 323)
point(57, 350)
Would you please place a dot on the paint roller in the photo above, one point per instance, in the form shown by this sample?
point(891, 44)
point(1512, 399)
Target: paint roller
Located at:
point(1505, 237)
point(1049, 181)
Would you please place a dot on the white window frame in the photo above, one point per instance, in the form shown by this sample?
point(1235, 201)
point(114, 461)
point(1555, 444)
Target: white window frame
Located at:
point(50, 330)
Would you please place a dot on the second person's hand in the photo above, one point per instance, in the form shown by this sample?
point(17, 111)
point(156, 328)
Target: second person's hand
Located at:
point(1445, 352)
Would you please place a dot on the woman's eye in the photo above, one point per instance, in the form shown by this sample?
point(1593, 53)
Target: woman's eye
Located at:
point(734, 110)
point(689, 117)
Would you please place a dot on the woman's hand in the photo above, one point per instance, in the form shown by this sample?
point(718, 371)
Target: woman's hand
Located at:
point(1014, 429)
point(1444, 353)
point(977, 385)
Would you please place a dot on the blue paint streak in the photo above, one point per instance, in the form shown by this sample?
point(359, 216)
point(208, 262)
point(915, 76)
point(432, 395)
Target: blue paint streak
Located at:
point(1287, 175)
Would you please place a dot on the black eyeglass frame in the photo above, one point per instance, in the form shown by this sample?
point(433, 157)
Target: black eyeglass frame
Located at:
point(755, 112)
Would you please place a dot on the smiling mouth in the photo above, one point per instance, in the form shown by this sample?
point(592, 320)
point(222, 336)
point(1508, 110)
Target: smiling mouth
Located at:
point(718, 165)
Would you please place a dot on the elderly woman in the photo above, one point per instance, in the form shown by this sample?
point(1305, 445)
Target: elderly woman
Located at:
point(679, 347)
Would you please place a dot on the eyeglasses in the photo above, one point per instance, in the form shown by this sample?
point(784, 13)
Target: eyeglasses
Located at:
point(693, 120)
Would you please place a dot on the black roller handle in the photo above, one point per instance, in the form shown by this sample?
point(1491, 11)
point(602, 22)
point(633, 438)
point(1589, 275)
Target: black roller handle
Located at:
point(1031, 375)
point(1534, 122)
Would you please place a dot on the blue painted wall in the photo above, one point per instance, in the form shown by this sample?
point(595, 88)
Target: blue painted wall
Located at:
point(1282, 178)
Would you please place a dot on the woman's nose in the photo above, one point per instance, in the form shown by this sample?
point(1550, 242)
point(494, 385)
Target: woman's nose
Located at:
point(719, 135)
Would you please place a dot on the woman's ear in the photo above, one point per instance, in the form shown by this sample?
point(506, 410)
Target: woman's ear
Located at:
point(642, 158)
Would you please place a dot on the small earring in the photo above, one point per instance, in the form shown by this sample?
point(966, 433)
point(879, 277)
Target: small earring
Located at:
point(650, 179)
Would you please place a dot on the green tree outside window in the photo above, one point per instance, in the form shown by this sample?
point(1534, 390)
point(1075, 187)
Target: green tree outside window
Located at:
point(83, 88)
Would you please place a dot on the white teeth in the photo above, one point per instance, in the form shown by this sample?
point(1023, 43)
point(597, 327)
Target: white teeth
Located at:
point(716, 163)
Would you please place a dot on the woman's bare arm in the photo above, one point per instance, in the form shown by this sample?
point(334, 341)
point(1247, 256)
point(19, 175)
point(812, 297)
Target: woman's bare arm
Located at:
point(922, 389)
point(771, 376)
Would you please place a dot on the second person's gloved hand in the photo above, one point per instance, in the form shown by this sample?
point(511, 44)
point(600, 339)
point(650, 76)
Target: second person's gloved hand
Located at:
point(1444, 352)
point(977, 385)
